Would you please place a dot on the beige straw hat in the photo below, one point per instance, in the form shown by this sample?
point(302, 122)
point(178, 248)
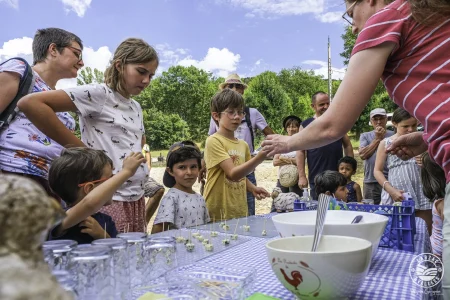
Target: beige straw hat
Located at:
point(233, 78)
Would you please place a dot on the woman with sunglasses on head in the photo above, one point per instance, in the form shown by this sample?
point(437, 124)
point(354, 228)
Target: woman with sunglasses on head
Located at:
point(406, 44)
point(25, 150)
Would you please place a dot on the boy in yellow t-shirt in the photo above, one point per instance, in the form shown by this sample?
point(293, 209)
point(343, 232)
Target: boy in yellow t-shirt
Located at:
point(228, 161)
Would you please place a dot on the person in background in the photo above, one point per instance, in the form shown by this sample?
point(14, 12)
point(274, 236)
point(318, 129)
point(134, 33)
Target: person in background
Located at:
point(368, 146)
point(181, 207)
point(110, 120)
point(252, 120)
point(332, 183)
point(291, 125)
point(152, 189)
point(83, 178)
point(347, 167)
point(322, 158)
point(404, 176)
point(433, 180)
point(25, 150)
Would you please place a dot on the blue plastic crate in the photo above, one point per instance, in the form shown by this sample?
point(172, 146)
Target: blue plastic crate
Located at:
point(301, 205)
point(401, 227)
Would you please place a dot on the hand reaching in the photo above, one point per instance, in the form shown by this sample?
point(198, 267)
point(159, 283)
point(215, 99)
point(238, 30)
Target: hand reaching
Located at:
point(132, 162)
point(93, 228)
point(407, 146)
point(260, 193)
point(275, 144)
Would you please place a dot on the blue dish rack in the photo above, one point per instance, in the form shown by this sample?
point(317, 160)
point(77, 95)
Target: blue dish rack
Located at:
point(400, 229)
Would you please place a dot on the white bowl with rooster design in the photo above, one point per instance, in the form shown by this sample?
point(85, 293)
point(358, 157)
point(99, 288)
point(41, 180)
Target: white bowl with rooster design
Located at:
point(335, 271)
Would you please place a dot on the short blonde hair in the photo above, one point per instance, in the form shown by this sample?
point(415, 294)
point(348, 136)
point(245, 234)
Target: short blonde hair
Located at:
point(130, 51)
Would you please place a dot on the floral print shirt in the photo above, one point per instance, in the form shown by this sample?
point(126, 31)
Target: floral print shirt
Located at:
point(23, 148)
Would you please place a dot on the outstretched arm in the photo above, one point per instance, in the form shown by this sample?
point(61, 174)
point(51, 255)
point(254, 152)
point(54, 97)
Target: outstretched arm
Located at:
point(362, 76)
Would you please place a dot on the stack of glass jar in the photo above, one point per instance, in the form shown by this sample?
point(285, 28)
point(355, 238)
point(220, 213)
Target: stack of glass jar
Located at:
point(110, 268)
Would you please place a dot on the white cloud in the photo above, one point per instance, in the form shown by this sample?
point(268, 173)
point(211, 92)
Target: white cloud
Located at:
point(278, 8)
point(13, 3)
point(17, 47)
point(221, 62)
point(77, 6)
point(320, 68)
point(330, 17)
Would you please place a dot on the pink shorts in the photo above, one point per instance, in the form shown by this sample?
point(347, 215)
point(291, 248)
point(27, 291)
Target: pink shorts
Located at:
point(128, 216)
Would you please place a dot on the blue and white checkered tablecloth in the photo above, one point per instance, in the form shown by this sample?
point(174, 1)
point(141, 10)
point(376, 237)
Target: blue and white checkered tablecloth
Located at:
point(388, 277)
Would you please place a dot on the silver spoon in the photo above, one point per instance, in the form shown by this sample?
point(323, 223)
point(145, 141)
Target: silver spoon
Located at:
point(322, 208)
point(357, 219)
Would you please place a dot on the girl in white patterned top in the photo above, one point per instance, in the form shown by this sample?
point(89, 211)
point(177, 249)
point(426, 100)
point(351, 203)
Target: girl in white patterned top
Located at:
point(181, 206)
point(109, 120)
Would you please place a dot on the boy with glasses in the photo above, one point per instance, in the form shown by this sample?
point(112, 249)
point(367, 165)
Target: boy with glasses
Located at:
point(83, 178)
point(228, 161)
point(251, 121)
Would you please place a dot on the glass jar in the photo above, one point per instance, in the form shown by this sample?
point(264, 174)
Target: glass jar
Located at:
point(93, 272)
point(56, 253)
point(139, 266)
point(121, 264)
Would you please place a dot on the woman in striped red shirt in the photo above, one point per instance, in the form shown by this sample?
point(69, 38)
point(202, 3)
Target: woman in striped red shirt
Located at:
point(405, 43)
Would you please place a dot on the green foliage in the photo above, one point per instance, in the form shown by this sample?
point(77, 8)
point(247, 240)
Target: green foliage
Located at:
point(300, 85)
point(162, 130)
point(88, 76)
point(185, 91)
point(349, 41)
point(267, 95)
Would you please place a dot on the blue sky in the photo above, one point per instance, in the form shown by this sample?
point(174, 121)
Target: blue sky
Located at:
point(220, 36)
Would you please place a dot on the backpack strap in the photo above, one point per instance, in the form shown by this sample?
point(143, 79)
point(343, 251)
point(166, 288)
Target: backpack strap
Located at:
point(25, 87)
point(249, 125)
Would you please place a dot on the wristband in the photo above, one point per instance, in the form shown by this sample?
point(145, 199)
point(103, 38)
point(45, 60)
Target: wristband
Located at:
point(384, 183)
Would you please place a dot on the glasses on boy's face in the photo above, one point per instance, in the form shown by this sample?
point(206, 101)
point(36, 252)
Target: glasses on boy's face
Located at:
point(101, 180)
point(233, 114)
point(348, 14)
point(78, 53)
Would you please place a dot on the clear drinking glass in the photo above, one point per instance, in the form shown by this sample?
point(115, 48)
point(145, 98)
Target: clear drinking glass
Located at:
point(66, 280)
point(139, 266)
point(56, 253)
point(160, 252)
point(121, 264)
point(93, 272)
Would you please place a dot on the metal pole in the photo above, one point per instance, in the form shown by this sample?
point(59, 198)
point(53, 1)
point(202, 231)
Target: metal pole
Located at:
point(329, 70)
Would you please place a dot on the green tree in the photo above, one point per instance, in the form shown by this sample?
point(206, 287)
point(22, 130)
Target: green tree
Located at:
point(162, 130)
point(185, 91)
point(88, 76)
point(300, 85)
point(267, 95)
point(349, 41)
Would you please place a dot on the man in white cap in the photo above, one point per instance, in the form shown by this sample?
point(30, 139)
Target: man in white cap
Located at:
point(368, 145)
point(252, 121)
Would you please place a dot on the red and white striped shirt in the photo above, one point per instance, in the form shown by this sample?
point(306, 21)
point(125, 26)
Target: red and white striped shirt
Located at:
point(417, 73)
